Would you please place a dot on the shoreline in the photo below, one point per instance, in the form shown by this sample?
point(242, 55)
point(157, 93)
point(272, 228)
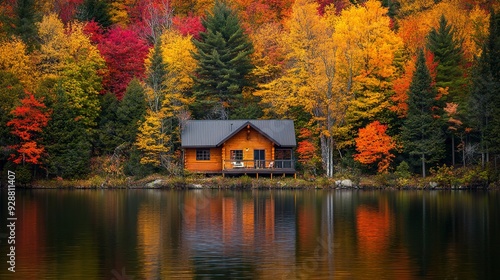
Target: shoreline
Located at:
point(243, 183)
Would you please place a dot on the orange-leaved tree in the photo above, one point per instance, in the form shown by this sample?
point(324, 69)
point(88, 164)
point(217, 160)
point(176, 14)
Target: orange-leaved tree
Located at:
point(401, 85)
point(29, 120)
point(373, 144)
point(307, 150)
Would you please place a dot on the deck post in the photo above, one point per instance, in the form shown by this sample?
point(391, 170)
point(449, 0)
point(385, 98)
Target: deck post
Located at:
point(257, 176)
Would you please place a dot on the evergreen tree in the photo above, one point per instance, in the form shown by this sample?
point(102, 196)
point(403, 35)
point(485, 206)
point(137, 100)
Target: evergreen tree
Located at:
point(96, 10)
point(11, 92)
point(484, 102)
point(131, 110)
point(223, 55)
point(24, 23)
point(67, 141)
point(155, 79)
point(107, 139)
point(448, 53)
point(422, 130)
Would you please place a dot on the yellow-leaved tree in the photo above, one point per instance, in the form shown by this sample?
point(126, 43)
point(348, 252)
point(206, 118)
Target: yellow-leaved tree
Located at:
point(152, 140)
point(367, 48)
point(309, 78)
point(67, 56)
point(169, 67)
point(14, 58)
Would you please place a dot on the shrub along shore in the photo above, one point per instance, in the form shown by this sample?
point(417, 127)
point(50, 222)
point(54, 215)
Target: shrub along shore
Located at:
point(157, 181)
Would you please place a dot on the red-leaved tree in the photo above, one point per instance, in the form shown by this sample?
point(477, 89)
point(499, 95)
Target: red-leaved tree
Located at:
point(190, 25)
point(29, 120)
point(373, 144)
point(124, 52)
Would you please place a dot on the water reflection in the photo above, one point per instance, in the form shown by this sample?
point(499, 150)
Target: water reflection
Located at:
point(313, 234)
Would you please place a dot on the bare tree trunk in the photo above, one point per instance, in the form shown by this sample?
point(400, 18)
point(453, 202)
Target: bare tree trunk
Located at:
point(453, 150)
point(160, 19)
point(423, 165)
point(463, 152)
point(327, 155)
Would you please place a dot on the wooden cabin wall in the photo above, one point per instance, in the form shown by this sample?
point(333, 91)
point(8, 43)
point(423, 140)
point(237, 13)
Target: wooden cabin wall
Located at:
point(212, 165)
point(247, 138)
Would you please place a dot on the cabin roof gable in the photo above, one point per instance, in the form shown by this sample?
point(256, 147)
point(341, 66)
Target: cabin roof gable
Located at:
point(213, 133)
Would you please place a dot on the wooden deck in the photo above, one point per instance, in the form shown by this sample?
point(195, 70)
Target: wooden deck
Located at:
point(278, 172)
point(260, 171)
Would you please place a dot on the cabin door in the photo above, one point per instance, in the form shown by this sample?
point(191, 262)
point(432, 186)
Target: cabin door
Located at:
point(259, 157)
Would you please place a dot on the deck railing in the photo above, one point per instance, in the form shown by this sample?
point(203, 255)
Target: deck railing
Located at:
point(259, 164)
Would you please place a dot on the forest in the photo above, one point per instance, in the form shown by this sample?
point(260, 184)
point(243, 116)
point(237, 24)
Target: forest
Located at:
point(103, 87)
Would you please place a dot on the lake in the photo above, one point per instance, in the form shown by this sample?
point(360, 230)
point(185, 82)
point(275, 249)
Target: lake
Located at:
point(253, 234)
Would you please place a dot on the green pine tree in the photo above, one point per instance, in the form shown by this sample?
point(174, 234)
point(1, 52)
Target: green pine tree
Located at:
point(422, 131)
point(448, 53)
point(223, 55)
point(155, 79)
point(107, 138)
point(67, 141)
point(96, 10)
point(11, 92)
point(24, 23)
point(131, 110)
point(493, 55)
point(484, 101)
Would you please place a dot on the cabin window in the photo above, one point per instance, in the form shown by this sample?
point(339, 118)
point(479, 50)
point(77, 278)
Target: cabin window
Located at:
point(203, 154)
point(283, 158)
point(236, 154)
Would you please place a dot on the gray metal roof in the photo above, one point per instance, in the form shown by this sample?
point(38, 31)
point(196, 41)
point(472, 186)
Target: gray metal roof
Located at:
point(213, 133)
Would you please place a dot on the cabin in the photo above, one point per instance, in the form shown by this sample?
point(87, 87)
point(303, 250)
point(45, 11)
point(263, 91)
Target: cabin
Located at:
point(239, 146)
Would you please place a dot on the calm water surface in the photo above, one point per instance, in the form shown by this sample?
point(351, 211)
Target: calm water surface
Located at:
point(258, 234)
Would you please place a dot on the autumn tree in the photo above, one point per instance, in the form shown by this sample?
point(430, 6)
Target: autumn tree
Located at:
point(153, 142)
point(118, 11)
point(29, 120)
point(371, 48)
point(67, 55)
point(189, 25)
point(152, 139)
point(310, 80)
point(191, 7)
point(124, 52)
point(374, 145)
point(223, 56)
point(422, 129)
point(66, 9)
point(255, 13)
point(307, 150)
point(14, 58)
point(168, 80)
point(157, 18)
